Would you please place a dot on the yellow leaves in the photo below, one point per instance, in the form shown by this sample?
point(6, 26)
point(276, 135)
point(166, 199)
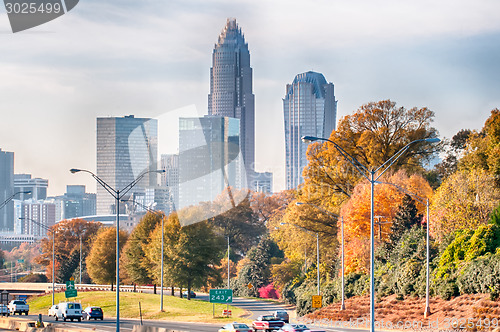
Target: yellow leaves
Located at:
point(464, 201)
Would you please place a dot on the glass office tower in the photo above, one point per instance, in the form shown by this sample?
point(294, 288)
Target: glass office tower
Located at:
point(309, 108)
point(126, 147)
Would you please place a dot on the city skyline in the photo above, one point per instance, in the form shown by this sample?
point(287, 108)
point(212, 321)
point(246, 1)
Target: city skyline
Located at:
point(150, 59)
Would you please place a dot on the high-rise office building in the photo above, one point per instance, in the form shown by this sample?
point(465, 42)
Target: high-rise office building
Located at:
point(36, 186)
point(6, 191)
point(209, 158)
point(231, 87)
point(309, 108)
point(126, 147)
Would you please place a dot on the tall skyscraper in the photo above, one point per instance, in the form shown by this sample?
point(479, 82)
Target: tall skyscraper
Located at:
point(126, 147)
point(209, 158)
point(6, 190)
point(309, 108)
point(231, 87)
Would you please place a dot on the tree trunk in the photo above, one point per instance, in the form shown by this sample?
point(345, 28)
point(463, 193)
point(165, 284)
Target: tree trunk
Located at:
point(111, 286)
point(154, 289)
point(180, 292)
point(173, 292)
point(189, 290)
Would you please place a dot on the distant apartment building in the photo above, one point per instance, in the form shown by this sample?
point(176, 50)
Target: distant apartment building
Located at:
point(209, 158)
point(78, 203)
point(126, 147)
point(309, 108)
point(36, 186)
point(36, 217)
point(6, 191)
point(231, 87)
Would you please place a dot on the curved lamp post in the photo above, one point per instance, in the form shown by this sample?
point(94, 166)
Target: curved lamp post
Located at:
point(317, 248)
point(423, 200)
point(372, 176)
point(342, 306)
point(12, 196)
point(161, 268)
point(53, 252)
point(117, 195)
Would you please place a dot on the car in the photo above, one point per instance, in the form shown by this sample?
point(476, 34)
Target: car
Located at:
point(93, 312)
point(4, 311)
point(297, 328)
point(281, 315)
point(267, 323)
point(185, 294)
point(69, 310)
point(53, 310)
point(235, 327)
point(18, 307)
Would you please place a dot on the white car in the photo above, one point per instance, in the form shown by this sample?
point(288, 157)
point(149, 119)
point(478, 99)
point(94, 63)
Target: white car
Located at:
point(53, 310)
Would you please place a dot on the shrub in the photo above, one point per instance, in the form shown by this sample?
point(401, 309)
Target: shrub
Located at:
point(268, 292)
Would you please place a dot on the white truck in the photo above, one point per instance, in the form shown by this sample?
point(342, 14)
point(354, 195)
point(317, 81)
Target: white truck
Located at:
point(18, 307)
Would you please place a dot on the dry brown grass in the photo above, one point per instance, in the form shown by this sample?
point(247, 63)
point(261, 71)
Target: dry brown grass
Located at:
point(458, 309)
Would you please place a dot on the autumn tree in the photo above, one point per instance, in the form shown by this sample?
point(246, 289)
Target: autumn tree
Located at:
point(483, 148)
point(373, 134)
point(357, 211)
point(101, 261)
point(255, 268)
point(134, 257)
point(67, 245)
point(190, 252)
point(464, 201)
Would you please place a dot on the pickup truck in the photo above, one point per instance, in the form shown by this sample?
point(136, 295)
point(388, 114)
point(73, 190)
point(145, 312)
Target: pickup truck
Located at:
point(18, 306)
point(267, 323)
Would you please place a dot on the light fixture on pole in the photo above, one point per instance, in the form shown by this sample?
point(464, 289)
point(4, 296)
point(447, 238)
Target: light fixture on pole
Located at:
point(342, 306)
point(423, 200)
point(12, 196)
point(372, 176)
point(53, 252)
point(317, 248)
point(117, 195)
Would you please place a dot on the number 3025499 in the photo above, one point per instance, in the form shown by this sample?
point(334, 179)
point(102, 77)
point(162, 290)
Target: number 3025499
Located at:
point(32, 8)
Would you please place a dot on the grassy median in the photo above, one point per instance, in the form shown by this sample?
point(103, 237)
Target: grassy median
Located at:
point(175, 308)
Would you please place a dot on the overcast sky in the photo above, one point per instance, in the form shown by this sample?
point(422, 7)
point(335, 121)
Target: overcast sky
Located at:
point(152, 58)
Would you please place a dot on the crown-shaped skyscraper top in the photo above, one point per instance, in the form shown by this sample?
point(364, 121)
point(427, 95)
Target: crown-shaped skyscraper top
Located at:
point(231, 34)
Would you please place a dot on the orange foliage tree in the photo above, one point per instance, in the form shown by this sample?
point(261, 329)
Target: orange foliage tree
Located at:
point(356, 214)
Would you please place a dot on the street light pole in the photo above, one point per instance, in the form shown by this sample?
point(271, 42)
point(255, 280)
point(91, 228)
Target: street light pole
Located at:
point(162, 246)
point(425, 201)
point(317, 249)
point(317, 239)
point(117, 194)
point(342, 306)
point(80, 259)
point(53, 253)
point(372, 176)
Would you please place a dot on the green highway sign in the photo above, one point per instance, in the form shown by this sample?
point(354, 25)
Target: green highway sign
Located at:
point(70, 289)
point(221, 296)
